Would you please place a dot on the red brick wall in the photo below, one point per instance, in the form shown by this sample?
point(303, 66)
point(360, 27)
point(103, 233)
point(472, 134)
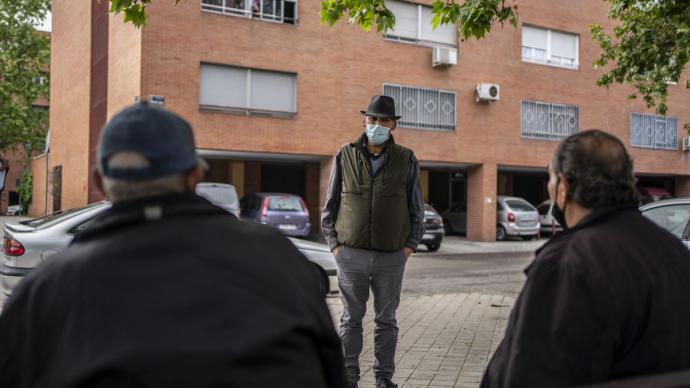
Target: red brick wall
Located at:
point(481, 202)
point(16, 161)
point(70, 92)
point(340, 68)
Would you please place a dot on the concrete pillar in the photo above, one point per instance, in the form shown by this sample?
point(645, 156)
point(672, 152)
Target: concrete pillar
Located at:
point(312, 174)
point(481, 202)
point(236, 172)
point(252, 177)
point(424, 180)
point(682, 186)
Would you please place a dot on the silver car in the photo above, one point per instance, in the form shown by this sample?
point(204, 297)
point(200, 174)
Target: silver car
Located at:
point(672, 215)
point(516, 217)
point(28, 243)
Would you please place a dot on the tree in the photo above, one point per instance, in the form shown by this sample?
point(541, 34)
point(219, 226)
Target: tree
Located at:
point(24, 61)
point(650, 47)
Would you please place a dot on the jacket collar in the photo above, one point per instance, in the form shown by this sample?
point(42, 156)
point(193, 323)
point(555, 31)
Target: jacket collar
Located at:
point(595, 217)
point(124, 214)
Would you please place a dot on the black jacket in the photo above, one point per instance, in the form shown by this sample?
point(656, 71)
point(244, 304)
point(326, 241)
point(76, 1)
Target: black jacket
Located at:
point(605, 300)
point(166, 292)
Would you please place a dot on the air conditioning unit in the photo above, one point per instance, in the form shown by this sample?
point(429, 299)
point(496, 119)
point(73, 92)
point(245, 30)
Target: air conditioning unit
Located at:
point(686, 144)
point(488, 92)
point(444, 57)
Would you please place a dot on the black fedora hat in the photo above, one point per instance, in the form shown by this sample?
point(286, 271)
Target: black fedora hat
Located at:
point(381, 106)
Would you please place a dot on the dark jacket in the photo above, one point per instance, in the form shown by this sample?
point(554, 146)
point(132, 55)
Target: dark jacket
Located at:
point(374, 209)
point(605, 300)
point(332, 208)
point(171, 291)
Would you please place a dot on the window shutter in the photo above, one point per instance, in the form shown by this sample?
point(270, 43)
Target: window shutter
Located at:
point(406, 16)
point(273, 91)
point(223, 86)
point(534, 37)
point(443, 34)
point(564, 45)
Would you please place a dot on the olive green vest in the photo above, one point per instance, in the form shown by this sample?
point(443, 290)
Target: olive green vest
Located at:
point(374, 212)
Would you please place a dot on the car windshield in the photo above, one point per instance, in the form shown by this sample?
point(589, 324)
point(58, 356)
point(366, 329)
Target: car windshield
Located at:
point(222, 195)
point(519, 205)
point(543, 209)
point(673, 218)
point(58, 216)
point(288, 204)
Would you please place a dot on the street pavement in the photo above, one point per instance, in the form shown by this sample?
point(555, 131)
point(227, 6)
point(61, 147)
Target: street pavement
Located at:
point(453, 314)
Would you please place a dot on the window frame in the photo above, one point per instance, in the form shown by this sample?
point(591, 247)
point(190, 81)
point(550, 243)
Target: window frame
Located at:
point(533, 135)
point(547, 61)
point(249, 110)
point(247, 12)
point(437, 127)
point(656, 119)
point(418, 41)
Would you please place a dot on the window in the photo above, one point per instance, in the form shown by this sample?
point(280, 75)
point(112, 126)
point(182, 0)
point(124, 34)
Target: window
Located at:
point(549, 47)
point(286, 204)
point(519, 205)
point(545, 121)
point(413, 24)
point(673, 218)
point(423, 108)
point(279, 11)
point(247, 91)
point(650, 131)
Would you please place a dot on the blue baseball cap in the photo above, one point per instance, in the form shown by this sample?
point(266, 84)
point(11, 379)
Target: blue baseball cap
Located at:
point(162, 137)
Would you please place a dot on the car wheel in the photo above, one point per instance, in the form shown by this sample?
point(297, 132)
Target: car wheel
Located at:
point(433, 247)
point(501, 234)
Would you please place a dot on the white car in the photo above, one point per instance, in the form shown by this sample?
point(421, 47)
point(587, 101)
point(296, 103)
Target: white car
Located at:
point(28, 243)
point(546, 219)
point(15, 210)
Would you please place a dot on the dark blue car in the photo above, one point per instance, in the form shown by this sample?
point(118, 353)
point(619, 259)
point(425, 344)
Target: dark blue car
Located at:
point(286, 212)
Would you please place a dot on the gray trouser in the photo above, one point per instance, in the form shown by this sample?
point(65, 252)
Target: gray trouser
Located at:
point(359, 269)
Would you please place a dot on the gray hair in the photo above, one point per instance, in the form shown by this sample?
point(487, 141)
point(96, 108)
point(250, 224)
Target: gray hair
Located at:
point(119, 190)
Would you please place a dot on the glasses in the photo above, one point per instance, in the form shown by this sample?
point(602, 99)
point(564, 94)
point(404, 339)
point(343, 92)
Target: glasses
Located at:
point(380, 120)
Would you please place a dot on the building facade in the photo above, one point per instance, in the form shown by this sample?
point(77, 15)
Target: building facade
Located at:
point(272, 94)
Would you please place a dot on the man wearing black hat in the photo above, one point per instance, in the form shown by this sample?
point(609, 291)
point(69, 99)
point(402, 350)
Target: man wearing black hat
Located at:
point(373, 221)
point(166, 290)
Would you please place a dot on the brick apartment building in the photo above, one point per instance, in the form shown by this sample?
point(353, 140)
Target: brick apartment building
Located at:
point(272, 94)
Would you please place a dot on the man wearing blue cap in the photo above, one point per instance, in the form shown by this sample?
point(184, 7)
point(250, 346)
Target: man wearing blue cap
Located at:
point(165, 289)
point(373, 220)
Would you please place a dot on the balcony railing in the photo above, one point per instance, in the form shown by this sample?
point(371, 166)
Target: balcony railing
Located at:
point(279, 11)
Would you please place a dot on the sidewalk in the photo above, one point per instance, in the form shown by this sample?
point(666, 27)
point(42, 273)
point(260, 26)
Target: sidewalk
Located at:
point(458, 245)
point(444, 340)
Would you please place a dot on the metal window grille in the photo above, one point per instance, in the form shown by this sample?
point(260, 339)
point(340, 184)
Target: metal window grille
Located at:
point(423, 108)
point(650, 131)
point(544, 121)
point(281, 11)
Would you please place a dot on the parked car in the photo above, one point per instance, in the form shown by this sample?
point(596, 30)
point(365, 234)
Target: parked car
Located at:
point(286, 212)
point(222, 195)
point(433, 229)
point(652, 194)
point(15, 210)
point(672, 215)
point(29, 243)
point(455, 219)
point(516, 217)
point(546, 220)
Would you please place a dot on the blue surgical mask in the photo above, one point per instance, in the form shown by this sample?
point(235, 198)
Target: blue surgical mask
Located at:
point(378, 134)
